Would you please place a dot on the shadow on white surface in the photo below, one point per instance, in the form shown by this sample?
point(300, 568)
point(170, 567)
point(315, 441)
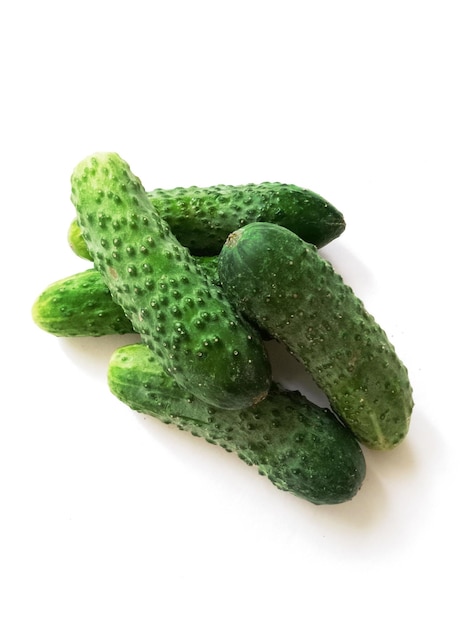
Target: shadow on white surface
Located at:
point(92, 354)
point(354, 272)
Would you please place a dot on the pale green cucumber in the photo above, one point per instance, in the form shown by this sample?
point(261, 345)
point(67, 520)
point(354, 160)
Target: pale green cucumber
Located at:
point(78, 306)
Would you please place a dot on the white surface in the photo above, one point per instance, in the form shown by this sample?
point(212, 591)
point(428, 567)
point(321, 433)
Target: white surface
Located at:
point(111, 518)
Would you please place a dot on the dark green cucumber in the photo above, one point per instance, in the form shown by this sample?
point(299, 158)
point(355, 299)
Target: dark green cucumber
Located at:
point(81, 305)
point(300, 447)
point(171, 302)
point(283, 285)
point(201, 218)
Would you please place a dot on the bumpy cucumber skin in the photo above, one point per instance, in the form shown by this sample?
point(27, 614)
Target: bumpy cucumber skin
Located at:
point(298, 446)
point(288, 289)
point(79, 247)
point(171, 302)
point(80, 306)
point(201, 218)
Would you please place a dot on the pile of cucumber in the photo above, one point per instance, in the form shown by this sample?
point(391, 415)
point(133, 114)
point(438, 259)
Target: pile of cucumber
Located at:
point(206, 276)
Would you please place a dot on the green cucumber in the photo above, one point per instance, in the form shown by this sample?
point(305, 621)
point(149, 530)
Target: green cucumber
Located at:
point(171, 302)
point(201, 218)
point(77, 242)
point(283, 285)
point(80, 305)
point(300, 447)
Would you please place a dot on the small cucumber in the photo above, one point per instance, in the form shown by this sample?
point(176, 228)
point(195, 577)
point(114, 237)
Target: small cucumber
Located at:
point(201, 218)
point(170, 301)
point(80, 305)
point(300, 447)
point(284, 286)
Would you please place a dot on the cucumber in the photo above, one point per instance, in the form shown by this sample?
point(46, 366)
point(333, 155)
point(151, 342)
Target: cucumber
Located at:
point(80, 305)
point(201, 218)
point(283, 285)
point(171, 302)
point(77, 242)
point(300, 447)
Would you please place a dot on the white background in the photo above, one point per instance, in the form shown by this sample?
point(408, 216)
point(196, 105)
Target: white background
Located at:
point(108, 517)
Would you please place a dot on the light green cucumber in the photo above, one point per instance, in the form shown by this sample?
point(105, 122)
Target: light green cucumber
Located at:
point(201, 218)
point(171, 302)
point(283, 285)
point(78, 306)
point(299, 446)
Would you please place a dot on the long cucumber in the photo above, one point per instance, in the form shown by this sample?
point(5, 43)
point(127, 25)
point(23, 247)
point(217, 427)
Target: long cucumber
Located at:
point(201, 218)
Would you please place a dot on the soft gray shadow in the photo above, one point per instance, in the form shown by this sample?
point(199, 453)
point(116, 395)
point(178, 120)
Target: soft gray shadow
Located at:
point(291, 374)
point(395, 501)
point(353, 271)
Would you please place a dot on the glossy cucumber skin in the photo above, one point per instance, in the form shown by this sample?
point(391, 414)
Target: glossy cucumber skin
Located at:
point(288, 289)
point(201, 218)
point(171, 302)
point(300, 447)
point(81, 305)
